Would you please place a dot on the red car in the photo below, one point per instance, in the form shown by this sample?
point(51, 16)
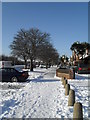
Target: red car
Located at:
point(83, 69)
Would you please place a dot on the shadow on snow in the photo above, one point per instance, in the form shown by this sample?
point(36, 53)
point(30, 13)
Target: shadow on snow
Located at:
point(80, 77)
point(45, 80)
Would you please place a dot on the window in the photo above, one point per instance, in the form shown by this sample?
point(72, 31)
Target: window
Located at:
point(3, 70)
point(12, 70)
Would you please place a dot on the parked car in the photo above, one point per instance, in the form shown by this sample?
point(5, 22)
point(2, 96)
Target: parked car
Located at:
point(10, 74)
point(42, 66)
point(64, 67)
point(83, 69)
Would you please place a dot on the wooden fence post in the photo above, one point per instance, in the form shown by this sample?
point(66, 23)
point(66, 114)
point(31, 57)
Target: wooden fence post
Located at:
point(67, 88)
point(65, 82)
point(77, 112)
point(71, 99)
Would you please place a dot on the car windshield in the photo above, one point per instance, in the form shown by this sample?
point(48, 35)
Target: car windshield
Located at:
point(0, 69)
point(18, 69)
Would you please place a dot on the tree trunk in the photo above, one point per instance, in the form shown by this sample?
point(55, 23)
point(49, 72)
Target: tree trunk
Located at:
point(31, 65)
point(46, 66)
point(25, 61)
point(82, 56)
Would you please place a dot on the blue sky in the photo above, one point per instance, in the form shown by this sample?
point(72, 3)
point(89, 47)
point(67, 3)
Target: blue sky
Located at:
point(67, 22)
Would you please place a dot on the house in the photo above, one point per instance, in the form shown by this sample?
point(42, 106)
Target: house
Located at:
point(77, 58)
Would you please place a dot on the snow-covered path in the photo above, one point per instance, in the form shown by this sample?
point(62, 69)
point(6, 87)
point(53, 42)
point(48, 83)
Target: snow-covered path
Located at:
point(43, 96)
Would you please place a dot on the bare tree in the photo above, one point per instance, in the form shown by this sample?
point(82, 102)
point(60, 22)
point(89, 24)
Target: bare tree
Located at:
point(48, 54)
point(35, 39)
point(19, 45)
point(27, 43)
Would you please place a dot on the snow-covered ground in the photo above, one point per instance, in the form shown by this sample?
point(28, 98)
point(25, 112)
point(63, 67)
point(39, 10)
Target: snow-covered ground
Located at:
point(42, 96)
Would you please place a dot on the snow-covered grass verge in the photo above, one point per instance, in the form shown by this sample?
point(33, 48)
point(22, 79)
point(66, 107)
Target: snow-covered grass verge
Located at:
point(42, 96)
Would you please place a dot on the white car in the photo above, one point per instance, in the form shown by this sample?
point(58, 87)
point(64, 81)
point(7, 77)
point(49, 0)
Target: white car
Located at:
point(42, 66)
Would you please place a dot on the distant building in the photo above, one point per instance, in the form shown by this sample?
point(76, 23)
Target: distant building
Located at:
point(5, 64)
point(76, 58)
